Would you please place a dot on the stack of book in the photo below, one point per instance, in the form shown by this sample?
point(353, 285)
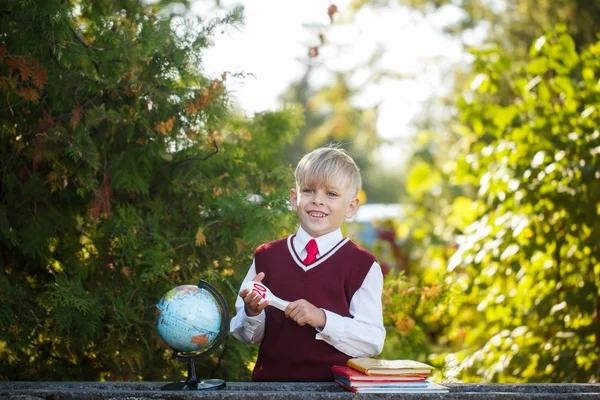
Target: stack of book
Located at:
point(369, 375)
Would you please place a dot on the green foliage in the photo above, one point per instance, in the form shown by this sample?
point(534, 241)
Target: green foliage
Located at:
point(511, 182)
point(122, 175)
point(529, 261)
point(413, 309)
point(527, 265)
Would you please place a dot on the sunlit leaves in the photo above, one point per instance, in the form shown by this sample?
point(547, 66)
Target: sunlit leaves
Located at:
point(527, 261)
point(410, 308)
point(422, 179)
point(464, 212)
point(538, 66)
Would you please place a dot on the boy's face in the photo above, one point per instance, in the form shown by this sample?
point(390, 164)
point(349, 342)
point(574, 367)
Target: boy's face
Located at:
point(323, 209)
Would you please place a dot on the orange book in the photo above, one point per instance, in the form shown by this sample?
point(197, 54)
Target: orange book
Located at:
point(372, 366)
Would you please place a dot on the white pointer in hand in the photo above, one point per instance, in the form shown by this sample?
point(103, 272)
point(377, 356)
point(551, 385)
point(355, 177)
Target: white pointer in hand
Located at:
point(266, 294)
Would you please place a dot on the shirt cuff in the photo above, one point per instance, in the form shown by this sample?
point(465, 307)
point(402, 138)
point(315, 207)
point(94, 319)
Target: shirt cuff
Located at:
point(253, 326)
point(255, 320)
point(334, 325)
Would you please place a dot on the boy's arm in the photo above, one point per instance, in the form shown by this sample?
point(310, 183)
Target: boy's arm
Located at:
point(363, 335)
point(243, 327)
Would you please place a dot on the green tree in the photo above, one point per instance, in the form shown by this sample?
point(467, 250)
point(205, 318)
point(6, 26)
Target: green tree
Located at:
point(444, 195)
point(528, 265)
point(123, 174)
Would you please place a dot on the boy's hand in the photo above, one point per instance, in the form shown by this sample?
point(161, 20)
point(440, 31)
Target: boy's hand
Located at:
point(304, 313)
point(251, 298)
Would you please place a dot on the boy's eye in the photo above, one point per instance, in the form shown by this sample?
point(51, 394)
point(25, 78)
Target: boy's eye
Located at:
point(307, 190)
point(332, 194)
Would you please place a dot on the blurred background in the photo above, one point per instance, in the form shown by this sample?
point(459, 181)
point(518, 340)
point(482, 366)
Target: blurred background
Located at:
point(147, 144)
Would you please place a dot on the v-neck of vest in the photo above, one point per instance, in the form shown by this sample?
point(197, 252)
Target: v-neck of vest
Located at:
point(320, 260)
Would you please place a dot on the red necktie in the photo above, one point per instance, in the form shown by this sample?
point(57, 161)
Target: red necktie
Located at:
point(312, 249)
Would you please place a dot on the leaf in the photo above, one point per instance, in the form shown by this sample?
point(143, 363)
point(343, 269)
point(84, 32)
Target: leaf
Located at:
point(588, 73)
point(464, 212)
point(39, 76)
point(102, 198)
point(166, 126)
point(563, 85)
point(200, 237)
point(537, 46)
point(240, 245)
point(505, 116)
point(76, 116)
point(558, 307)
point(480, 82)
point(29, 94)
point(544, 93)
point(569, 56)
point(331, 11)
point(191, 134)
point(538, 66)
point(421, 179)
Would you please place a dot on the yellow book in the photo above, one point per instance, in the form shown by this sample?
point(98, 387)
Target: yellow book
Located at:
point(372, 366)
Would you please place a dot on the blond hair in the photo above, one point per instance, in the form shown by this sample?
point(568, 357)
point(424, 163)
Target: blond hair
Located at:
point(328, 166)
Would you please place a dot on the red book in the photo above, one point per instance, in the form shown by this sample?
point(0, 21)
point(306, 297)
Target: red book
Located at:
point(342, 384)
point(353, 375)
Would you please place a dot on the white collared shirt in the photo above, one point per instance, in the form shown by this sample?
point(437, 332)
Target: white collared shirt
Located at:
point(360, 336)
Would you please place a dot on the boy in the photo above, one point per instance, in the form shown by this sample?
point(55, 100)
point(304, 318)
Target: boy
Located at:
point(334, 285)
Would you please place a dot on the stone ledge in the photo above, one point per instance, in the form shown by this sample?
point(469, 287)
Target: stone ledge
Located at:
point(284, 391)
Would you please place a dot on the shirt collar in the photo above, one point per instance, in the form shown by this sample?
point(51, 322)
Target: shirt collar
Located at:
point(325, 242)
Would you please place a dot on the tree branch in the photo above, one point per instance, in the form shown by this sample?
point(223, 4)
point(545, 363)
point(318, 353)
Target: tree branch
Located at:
point(87, 46)
point(200, 158)
point(80, 38)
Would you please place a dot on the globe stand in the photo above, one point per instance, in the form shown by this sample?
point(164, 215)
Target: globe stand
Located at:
point(192, 382)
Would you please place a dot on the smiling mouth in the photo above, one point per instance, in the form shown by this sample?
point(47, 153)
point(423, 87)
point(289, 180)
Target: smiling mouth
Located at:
point(317, 214)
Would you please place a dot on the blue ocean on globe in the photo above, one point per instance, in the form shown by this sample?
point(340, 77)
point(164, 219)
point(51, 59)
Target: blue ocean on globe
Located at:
point(188, 318)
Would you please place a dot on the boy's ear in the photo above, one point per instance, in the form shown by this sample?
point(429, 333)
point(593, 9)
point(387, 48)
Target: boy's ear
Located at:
point(352, 208)
point(293, 199)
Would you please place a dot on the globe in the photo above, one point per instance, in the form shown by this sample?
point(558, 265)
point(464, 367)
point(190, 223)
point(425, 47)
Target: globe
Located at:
point(193, 321)
point(188, 318)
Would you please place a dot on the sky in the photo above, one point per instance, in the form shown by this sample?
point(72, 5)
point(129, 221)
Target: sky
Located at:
point(273, 46)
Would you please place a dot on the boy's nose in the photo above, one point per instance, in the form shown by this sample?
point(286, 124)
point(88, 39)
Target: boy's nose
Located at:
point(319, 198)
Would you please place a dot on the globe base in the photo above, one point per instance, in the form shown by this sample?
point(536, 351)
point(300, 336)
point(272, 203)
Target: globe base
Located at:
point(192, 382)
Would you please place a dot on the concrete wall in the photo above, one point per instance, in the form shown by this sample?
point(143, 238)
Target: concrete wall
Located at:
point(283, 391)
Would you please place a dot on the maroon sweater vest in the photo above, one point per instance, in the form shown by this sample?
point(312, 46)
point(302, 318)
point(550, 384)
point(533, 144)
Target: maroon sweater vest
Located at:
point(290, 352)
